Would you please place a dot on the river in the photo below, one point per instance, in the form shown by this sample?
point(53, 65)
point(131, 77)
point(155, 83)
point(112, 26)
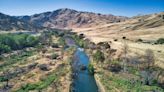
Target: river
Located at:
point(84, 81)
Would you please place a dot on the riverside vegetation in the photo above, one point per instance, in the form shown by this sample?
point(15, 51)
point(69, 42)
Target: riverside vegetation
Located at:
point(44, 64)
point(34, 63)
point(126, 73)
point(41, 58)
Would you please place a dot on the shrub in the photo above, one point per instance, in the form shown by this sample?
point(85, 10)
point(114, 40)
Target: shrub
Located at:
point(115, 66)
point(115, 40)
point(4, 48)
point(55, 45)
point(104, 44)
point(81, 36)
point(79, 41)
point(82, 43)
point(44, 50)
point(2, 78)
point(160, 41)
point(91, 69)
point(43, 67)
point(154, 82)
point(46, 38)
point(61, 34)
point(54, 56)
point(62, 41)
point(32, 41)
point(99, 56)
point(123, 37)
point(139, 40)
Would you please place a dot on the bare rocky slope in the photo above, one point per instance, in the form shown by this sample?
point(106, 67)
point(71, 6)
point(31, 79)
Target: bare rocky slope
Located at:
point(61, 18)
point(69, 18)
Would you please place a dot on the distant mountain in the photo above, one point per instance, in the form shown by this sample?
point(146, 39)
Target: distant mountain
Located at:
point(68, 18)
point(61, 18)
point(12, 23)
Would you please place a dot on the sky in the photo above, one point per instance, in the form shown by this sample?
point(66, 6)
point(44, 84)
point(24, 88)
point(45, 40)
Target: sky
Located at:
point(116, 7)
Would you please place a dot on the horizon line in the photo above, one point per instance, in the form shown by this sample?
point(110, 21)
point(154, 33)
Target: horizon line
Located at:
point(140, 14)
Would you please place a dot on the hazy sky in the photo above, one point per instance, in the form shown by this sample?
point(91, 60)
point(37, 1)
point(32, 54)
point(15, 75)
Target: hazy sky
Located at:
point(116, 7)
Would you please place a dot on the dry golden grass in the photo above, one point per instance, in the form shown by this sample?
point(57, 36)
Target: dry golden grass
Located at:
point(109, 32)
point(35, 75)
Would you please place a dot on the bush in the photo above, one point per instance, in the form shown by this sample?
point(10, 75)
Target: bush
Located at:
point(82, 43)
point(115, 40)
point(91, 69)
point(61, 34)
point(54, 56)
point(62, 41)
point(123, 37)
point(44, 67)
point(99, 56)
point(4, 48)
point(44, 50)
point(81, 36)
point(104, 44)
point(55, 45)
point(160, 41)
point(32, 41)
point(139, 40)
point(79, 41)
point(115, 66)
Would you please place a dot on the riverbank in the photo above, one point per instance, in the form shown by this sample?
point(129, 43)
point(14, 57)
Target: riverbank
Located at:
point(99, 84)
point(115, 80)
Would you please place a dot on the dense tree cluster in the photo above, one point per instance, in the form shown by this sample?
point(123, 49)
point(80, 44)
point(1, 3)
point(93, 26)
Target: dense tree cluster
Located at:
point(10, 42)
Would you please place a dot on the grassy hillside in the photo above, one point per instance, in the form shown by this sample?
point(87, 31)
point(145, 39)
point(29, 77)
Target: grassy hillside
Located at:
point(140, 32)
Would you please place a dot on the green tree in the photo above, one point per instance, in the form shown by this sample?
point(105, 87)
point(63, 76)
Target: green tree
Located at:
point(62, 41)
point(31, 40)
point(54, 56)
point(99, 56)
point(16, 41)
point(20, 41)
point(91, 69)
point(4, 48)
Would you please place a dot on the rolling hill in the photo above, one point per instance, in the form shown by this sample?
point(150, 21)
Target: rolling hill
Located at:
point(61, 18)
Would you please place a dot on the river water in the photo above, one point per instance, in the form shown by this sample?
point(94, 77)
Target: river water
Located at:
point(83, 82)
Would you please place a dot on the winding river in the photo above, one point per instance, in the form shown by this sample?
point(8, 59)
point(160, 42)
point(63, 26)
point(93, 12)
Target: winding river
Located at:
point(83, 82)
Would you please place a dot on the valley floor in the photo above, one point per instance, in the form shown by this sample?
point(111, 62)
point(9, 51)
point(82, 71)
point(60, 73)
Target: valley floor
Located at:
point(36, 71)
